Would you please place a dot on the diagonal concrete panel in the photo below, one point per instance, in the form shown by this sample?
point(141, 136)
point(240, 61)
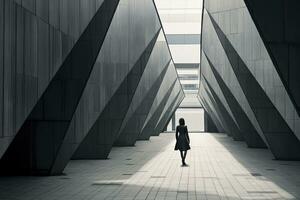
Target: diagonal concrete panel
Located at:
point(130, 133)
point(172, 112)
point(169, 102)
point(249, 132)
point(98, 141)
point(146, 91)
point(251, 45)
point(35, 147)
point(166, 116)
point(170, 107)
point(211, 124)
point(208, 98)
point(233, 128)
point(33, 48)
point(149, 124)
point(281, 139)
point(281, 39)
point(209, 110)
point(161, 94)
point(121, 49)
point(150, 95)
point(206, 72)
point(211, 114)
point(223, 66)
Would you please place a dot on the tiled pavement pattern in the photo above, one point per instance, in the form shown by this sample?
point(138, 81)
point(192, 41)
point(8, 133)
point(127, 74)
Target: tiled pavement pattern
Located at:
point(219, 168)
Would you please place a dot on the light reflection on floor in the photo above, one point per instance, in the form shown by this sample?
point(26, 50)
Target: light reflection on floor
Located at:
point(219, 168)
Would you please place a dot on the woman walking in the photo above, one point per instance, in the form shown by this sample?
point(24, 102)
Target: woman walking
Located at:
point(182, 140)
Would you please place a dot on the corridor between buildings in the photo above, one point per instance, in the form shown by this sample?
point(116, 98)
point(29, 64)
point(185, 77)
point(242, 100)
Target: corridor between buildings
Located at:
point(91, 92)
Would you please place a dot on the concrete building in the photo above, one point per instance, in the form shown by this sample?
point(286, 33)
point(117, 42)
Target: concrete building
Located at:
point(77, 76)
point(249, 83)
point(91, 92)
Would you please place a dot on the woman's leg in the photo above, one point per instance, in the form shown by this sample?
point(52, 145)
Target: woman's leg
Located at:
point(182, 157)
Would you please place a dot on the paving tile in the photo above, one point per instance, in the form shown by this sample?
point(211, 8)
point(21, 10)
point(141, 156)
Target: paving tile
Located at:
point(219, 168)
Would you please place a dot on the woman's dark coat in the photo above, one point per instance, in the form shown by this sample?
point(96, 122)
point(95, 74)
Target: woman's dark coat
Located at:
point(182, 139)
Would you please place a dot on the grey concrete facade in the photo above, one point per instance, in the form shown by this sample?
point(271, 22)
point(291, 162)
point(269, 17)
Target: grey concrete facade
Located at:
point(167, 114)
point(281, 39)
point(74, 73)
point(209, 125)
point(246, 61)
point(160, 104)
point(33, 35)
point(104, 130)
point(131, 129)
point(37, 142)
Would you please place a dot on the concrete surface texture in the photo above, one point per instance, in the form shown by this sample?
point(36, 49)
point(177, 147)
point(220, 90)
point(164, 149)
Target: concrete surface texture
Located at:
point(246, 86)
point(76, 79)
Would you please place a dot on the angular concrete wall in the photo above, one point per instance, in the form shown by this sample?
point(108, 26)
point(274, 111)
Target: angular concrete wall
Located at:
point(209, 125)
point(37, 142)
point(168, 89)
point(72, 71)
point(167, 113)
point(240, 62)
point(99, 140)
point(209, 108)
point(251, 136)
point(281, 39)
point(145, 94)
point(208, 111)
point(36, 37)
point(132, 127)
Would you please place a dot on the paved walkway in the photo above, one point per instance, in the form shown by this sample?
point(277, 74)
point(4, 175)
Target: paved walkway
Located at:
point(219, 168)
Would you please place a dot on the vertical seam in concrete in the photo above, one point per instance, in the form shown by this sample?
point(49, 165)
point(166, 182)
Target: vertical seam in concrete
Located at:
point(15, 67)
point(201, 47)
point(2, 11)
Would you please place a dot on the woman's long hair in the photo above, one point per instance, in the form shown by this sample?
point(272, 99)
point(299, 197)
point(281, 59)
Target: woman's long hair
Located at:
point(181, 122)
